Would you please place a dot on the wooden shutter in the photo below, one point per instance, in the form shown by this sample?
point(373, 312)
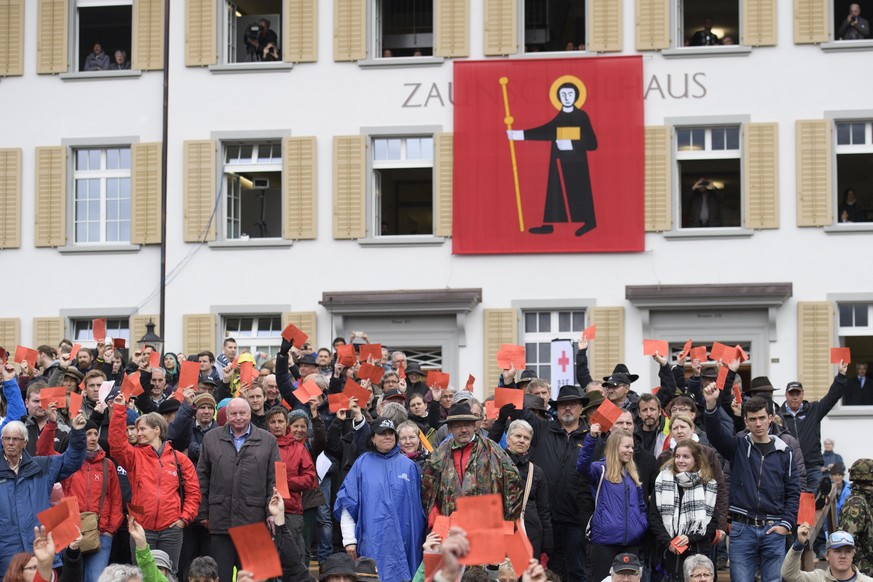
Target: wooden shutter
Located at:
point(442, 188)
point(652, 24)
point(11, 37)
point(200, 43)
point(307, 321)
point(51, 42)
point(658, 215)
point(51, 201)
point(501, 27)
point(299, 176)
point(137, 326)
point(199, 196)
point(148, 35)
point(608, 349)
point(606, 22)
point(300, 31)
point(145, 194)
point(47, 331)
point(811, 21)
point(10, 198)
point(815, 336)
point(452, 22)
point(349, 30)
point(10, 333)
point(759, 23)
point(761, 175)
point(500, 327)
point(814, 167)
point(349, 189)
point(199, 333)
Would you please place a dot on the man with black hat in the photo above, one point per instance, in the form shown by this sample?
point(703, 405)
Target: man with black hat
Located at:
point(617, 387)
point(338, 567)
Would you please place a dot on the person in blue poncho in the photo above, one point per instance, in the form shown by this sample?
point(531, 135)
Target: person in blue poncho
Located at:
point(379, 506)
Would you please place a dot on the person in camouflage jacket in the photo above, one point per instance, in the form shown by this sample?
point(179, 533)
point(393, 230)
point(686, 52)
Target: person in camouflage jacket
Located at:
point(483, 467)
point(856, 515)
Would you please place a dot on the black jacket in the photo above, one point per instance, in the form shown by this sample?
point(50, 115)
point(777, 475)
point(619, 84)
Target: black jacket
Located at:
point(537, 513)
point(805, 426)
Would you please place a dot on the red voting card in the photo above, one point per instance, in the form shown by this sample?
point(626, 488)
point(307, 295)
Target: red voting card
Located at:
point(346, 355)
point(371, 351)
point(698, 353)
point(738, 395)
point(470, 381)
point(481, 516)
point(256, 550)
point(806, 509)
point(438, 380)
point(605, 415)
point(518, 549)
point(178, 394)
point(3, 356)
point(154, 360)
point(246, 373)
point(354, 390)
point(716, 350)
point(234, 363)
point(656, 389)
point(722, 376)
point(401, 371)
point(282, 480)
point(370, 372)
point(62, 521)
point(685, 349)
point(741, 353)
point(433, 563)
point(728, 355)
point(441, 526)
point(58, 395)
point(306, 391)
point(844, 354)
point(650, 347)
point(491, 411)
point(590, 332)
point(98, 327)
point(119, 343)
point(75, 351)
point(509, 355)
point(189, 374)
point(24, 354)
point(337, 402)
point(295, 335)
point(137, 511)
point(131, 385)
point(675, 545)
point(75, 404)
point(504, 396)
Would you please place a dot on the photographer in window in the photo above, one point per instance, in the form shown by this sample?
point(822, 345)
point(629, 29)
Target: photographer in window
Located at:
point(704, 208)
point(260, 43)
point(854, 27)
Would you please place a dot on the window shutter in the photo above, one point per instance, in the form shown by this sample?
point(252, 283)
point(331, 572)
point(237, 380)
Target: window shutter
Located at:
point(51, 202)
point(145, 208)
point(811, 21)
point(452, 21)
point(501, 27)
point(608, 349)
point(759, 23)
point(606, 20)
point(199, 190)
point(658, 215)
point(652, 24)
point(815, 336)
point(349, 30)
point(442, 188)
point(10, 333)
point(51, 43)
point(501, 327)
point(199, 333)
point(349, 205)
point(148, 35)
point(48, 331)
point(300, 31)
point(137, 326)
point(299, 175)
point(307, 321)
point(200, 43)
point(11, 37)
point(761, 175)
point(10, 198)
point(814, 163)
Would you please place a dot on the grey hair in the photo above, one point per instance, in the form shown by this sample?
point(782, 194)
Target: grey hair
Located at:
point(120, 573)
point(694, 562)
point(519, 425)
point(319, 380)
point(826, 441)
point(407, 424)
point(395, 411)
point(16, 425)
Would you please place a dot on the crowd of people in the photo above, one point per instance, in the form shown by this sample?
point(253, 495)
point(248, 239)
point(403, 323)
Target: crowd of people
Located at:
point(673, 484)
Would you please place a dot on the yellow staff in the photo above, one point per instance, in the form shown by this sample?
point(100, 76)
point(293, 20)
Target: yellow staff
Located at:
point(508, 121)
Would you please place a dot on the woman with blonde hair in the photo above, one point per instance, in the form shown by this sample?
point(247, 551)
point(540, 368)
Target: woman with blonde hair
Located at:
point(620, 517)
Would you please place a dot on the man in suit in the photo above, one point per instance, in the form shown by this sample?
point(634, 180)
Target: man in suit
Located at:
point(859, 391)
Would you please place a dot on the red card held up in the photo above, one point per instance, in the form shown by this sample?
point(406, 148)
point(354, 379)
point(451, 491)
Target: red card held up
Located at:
point(491, 411)
point(370, 372)
point(441, 526)
point(438, 380)
point(371, 351)
point(58, 395)
point(844, 354)
point(470, 381)
point(294, 335)
point(519, 550)
point(75, 351)
point(650, 347)
point(256, 550)
point(675, 545)
point(98, 327)
point(738, 395)
point(722, 376)
point(685, 349)
point(590, 332)
point(474, 512)
point(716, 350)
point(504, 396)
point(354, 390)
point(25, 354)
point(131, 385)
point(306, 391)
point(189, 374)
point(698, 353)
point(433, 563)
point(337, 402)
point(510, 354)
point(728, 355)
point(346, 355)
point(3, 356)
point(741, 353)
point(282, 480)
point(75, 404)
point(246, 373)
point(154, 360)
point(62, 521)
point(137, 511)
point(118, 342)
point(401, 371)
point(605, 415)
point(178, 394)
point(806, 509)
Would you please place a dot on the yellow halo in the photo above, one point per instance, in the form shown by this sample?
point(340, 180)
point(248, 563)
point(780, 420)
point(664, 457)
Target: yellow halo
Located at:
point(580, 88)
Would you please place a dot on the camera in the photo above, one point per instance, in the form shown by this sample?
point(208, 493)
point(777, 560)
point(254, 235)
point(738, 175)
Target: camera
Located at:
point(252, 32)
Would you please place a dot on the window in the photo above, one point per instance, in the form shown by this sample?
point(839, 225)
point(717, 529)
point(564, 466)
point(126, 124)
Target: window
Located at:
point(403, 185)
point(429, 358)
point(708, 22)
point(260, 333)
point(404, 28)
point(708, 162)
point(849, 21)
point(101, 195)
point(253, 30)
point(855, 330)
point(115, 328)
point(540, 328)
point(854, 314)
point(553, 25)
point(253, 186)
point(107, 23)
point(854, 151)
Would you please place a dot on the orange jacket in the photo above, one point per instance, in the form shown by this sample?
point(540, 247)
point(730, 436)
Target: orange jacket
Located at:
point(87, 483)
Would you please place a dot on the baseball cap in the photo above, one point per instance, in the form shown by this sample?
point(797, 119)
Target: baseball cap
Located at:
point(626, 563)
point(840, 539)
point(794, 386)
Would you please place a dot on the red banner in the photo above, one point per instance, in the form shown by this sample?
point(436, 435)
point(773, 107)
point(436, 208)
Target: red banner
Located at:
point(548, 156)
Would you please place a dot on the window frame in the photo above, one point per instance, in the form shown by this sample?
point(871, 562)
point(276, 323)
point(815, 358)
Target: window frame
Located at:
point(542, 337)
point(834, 44)
point(102, 175)
point(269, 344)
point(520, 11)
point(677, 36)
point(374, 52)
point(841, 410)
point(226, 27)
point(71, 316)
point(837, 117)
point(73, 71)
point(252, 166)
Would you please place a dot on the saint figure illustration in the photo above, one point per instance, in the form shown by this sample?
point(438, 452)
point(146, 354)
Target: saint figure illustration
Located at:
point(568, 191)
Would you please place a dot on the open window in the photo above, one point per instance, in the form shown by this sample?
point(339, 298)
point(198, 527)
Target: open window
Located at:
point(101, 195)
point(708, 22)
point(83, 332)
point(253, 190)
point(254, 333)
point(404, 28)
point(253, 31)
point(856, 333)
point(709, 180)
point(403, 168)
point(553, 25)
point(104, 34)
point(854, 158)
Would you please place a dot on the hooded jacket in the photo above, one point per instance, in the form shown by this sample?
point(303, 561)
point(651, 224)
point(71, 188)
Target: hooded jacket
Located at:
point(805, 425)
point(86, 485)
point(300, 471)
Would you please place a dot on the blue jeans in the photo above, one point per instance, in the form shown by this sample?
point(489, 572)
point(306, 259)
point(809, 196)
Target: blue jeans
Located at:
point(323, 524)
point(813, 478)
point(93, 564)
point(751, 547)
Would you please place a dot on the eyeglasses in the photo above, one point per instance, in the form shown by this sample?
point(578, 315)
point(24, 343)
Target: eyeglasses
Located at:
point(702, 576)
point(626, 575)
point(12, 439)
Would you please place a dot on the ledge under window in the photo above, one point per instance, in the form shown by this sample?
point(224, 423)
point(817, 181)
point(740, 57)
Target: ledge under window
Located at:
point(272, 67)
point(704, 233)
point(849, 228)
point(99, 248)
point(554, 55)
point(104, 75)
point(709, 51)
point(847, 45)
point(402, 62)
point(252, 243)
point(403, 241)
point(843, 411)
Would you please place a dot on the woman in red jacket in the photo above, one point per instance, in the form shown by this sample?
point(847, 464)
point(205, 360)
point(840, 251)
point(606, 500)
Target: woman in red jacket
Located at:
point(95, 487)
point(299, 469)
point(162, 482)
